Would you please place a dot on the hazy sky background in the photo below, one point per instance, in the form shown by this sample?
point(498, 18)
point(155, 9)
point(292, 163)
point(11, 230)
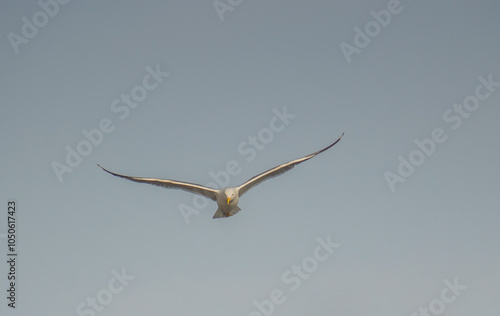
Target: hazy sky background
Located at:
point(226, 79)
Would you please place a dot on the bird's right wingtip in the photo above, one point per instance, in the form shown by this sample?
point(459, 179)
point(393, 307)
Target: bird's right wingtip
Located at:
point(102, 168)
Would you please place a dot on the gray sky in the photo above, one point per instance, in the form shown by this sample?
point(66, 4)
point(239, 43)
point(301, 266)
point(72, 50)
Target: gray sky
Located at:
point(178, 89)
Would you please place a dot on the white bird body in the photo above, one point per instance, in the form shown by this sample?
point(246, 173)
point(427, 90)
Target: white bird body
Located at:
point(227, 198)
point(227, 201)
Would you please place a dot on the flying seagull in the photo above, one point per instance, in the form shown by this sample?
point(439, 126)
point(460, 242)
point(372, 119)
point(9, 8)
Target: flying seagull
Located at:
point(226, 198)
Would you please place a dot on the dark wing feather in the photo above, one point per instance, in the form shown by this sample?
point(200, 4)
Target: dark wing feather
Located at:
point(276, 171)
point(172, 184)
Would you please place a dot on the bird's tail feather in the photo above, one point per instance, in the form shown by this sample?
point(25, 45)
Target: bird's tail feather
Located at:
point(219, 213)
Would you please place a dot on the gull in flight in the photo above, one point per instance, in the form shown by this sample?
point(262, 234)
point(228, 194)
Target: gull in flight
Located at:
point(227, 198)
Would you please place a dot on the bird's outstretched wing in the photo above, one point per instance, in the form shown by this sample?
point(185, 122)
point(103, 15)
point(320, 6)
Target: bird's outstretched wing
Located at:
point(276, 171)
point(172, 184)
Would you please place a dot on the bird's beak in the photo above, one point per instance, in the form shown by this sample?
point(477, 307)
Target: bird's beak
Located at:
point(228, 199)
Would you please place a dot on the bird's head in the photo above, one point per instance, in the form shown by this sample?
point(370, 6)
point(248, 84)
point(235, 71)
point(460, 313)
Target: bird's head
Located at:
point(229, 194)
